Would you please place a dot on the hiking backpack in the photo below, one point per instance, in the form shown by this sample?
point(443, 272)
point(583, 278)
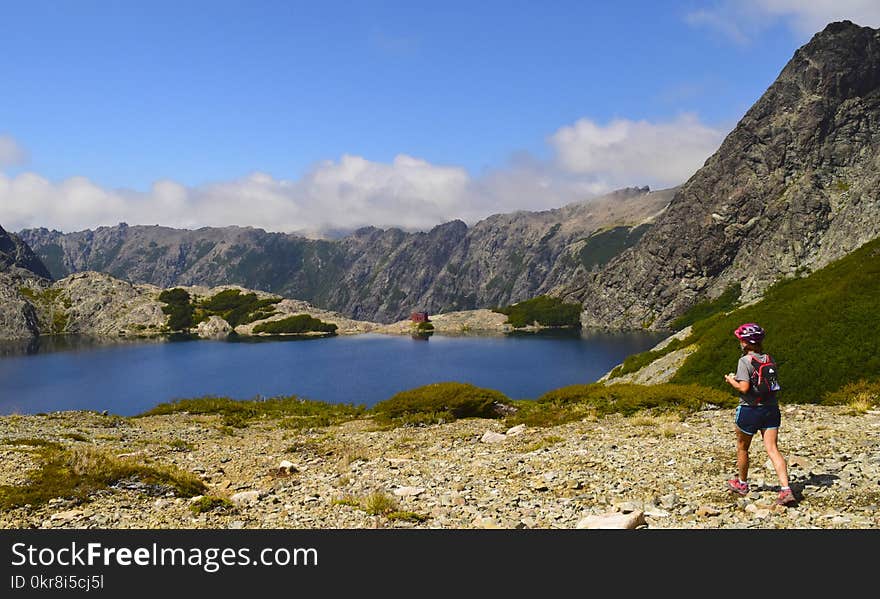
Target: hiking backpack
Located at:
point(765, 378)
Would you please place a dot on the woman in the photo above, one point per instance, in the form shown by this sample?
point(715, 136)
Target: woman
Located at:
point(756, 412)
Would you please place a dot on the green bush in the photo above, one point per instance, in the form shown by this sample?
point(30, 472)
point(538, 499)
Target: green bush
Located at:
point(239, 413)
point(723, 303)
point(237, 308)
point(231, 305)
point(77, 473)
point(440, 402)
point(576, 402)
point(179, 309)
point(821, 330)
point(863, 390)
point(636, 362)
point(545, 310)
point(301, 323)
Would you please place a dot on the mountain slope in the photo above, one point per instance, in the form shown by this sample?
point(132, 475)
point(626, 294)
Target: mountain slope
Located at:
point(821, 329)
point(372, 274)
point(16, 254)
point(794, 186)
point(18, 266)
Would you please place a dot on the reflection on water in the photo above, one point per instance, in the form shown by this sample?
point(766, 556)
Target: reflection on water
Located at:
point(66, 343)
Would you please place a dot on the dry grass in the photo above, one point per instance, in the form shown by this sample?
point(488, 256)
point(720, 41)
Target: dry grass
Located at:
point(77, 473)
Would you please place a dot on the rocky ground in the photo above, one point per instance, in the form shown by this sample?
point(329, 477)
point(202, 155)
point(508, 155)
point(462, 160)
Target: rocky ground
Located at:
point(655, 472)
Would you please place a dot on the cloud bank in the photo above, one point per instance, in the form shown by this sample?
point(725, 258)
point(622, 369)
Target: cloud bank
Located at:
point(411, 193)
point(741, 20)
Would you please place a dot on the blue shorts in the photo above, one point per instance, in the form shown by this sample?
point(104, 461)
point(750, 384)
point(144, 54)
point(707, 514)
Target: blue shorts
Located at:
point(751, 419)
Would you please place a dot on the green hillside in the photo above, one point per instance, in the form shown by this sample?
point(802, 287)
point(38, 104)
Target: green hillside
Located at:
point(822, 329)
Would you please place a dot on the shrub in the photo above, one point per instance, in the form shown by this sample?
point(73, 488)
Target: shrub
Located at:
point(545, 310)
point(77, 473)
point(209, 503)
point(239, 413)
point(864, 392)
point(238, 308)
point(575, 402)
point(301, 323)
point(379, 504)
point(439, 402)
point(179, 309)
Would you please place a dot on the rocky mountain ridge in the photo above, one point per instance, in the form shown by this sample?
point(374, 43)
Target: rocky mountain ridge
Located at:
point(372, 274)
point(793, 187)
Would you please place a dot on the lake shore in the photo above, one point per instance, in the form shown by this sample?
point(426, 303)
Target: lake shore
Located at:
point(471, 473)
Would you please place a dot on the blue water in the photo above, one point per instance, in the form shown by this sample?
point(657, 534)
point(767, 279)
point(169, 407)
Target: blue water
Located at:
point(130, 378)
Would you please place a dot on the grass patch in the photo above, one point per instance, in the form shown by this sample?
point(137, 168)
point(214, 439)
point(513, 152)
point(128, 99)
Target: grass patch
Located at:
point(379, 504)
point(405, 516)
point(548, 441)
point(543, 310)
point(79, 472)
point(76, 437)
point(576, 402)
point(180, 445)
point(33, 442)
point(636, 362)
point(702, 310)
point(439, 402)
point(859, 397)
point(821, 330)
point(603, 245)
point(291, 412)
point(210, 503)
point(349, 501)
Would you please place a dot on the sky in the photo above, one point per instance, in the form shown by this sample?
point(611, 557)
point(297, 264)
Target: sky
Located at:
point(306, 117)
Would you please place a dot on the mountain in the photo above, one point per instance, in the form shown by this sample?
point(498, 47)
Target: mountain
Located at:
point(834, 308)
point(372, 274)
point(793, 187)
point(19, 266)
point(15, 254)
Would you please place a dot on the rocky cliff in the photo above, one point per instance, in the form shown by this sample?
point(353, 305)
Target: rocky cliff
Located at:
point(19, 266)
point(793, 187)
point(372, 274)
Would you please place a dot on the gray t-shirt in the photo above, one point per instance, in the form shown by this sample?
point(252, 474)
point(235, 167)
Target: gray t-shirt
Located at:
point(744, 371)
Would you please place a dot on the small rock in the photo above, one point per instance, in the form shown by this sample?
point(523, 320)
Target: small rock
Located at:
point(66, 515)
point(236, 525)
point(612, 521)
point(515, 430)
point(408, 491)
point(493, 437)
point(708, 511)
point(245, 497)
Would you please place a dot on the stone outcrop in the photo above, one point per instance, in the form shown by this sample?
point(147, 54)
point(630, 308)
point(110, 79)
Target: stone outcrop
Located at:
point(15, 254)
point(371, 274)
point(793, 187)
point(19, 268)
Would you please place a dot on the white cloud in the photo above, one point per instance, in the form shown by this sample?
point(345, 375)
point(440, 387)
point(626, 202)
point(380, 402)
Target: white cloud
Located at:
point(740, 20)
point(352, 192)
point(624, 151)
point(11, 153)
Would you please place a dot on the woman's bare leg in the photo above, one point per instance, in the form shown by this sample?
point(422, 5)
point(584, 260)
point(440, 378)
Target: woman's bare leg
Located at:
point(770, 436)
point(743, 442)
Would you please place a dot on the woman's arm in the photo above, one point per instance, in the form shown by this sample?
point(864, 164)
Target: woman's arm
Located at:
point(741, 386)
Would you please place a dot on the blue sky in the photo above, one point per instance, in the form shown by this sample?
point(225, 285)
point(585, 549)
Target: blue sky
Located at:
point(302, 116)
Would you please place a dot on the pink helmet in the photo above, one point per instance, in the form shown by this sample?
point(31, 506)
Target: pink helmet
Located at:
point(749, 332)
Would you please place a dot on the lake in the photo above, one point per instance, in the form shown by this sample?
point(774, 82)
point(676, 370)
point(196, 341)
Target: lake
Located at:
point(127, 378)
